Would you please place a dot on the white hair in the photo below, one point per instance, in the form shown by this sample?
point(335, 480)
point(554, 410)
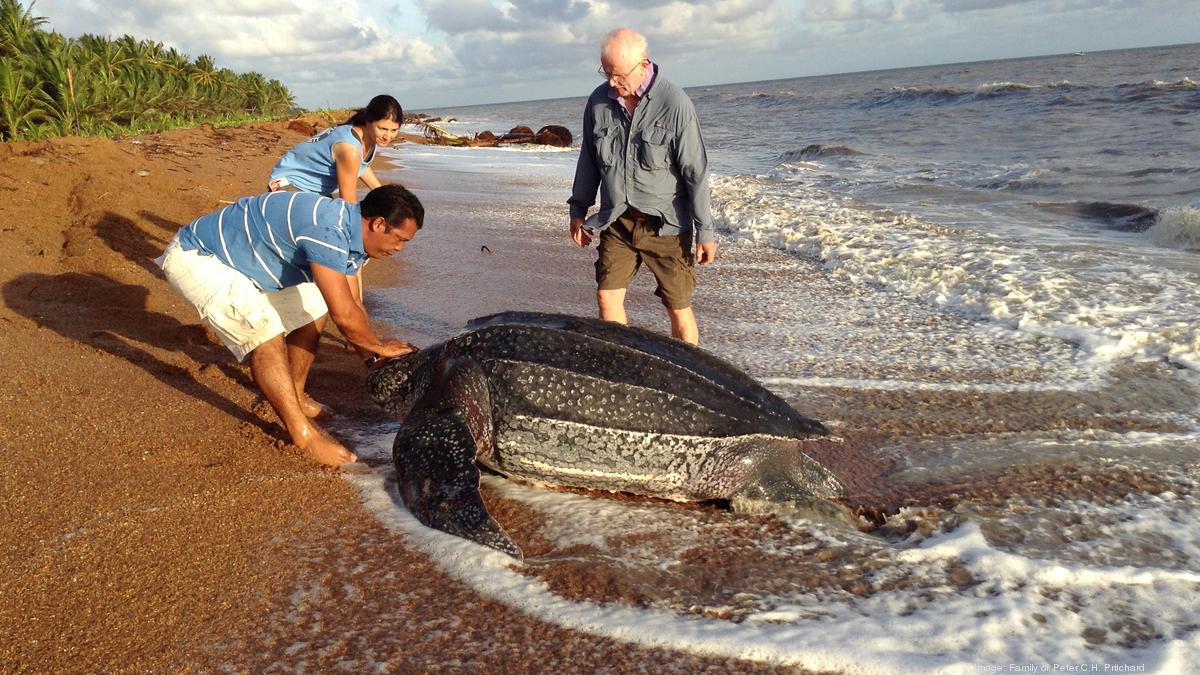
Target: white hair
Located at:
point(626, 41)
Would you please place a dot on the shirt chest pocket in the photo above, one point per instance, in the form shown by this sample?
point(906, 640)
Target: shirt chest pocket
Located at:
point(653, 151)
point(606, 140)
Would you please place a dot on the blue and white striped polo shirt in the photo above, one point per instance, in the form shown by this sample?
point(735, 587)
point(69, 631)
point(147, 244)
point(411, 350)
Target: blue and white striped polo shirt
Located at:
point(274, 238)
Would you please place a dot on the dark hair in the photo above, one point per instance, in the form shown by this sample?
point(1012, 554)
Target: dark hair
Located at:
point(382, 107)
point(395, 204)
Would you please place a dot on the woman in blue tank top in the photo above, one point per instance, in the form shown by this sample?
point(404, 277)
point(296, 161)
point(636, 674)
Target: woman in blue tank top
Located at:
point(337, 158)
point(334, 161)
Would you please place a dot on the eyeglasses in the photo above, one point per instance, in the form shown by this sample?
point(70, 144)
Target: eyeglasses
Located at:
point(620, 78)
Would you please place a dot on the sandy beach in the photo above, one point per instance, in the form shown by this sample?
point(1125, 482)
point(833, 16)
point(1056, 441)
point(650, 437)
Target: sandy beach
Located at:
point(155, 517)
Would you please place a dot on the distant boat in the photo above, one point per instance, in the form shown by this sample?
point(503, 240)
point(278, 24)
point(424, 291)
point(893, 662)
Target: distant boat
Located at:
point(1079, 53)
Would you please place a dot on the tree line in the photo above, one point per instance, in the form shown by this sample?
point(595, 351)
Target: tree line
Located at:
point(51, 85)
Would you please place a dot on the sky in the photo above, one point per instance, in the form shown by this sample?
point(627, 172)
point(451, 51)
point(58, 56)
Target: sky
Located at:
point(437, 53)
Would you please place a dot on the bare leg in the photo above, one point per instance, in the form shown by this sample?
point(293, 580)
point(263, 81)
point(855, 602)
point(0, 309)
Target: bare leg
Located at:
point(612, 304)
point(302, 346)
point(683, 325)
point(271, 372)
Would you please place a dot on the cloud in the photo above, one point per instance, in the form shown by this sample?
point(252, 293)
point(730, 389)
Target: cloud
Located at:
point(561, 38)
point(973, 5)
point(851, 11)
point(558, 11)
point(457, 17)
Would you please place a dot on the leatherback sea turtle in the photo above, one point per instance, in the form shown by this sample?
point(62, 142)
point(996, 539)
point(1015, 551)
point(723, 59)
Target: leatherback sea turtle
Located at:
point(586, 403)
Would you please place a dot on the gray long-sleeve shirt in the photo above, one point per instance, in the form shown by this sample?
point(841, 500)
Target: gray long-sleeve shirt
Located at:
point(654, 162)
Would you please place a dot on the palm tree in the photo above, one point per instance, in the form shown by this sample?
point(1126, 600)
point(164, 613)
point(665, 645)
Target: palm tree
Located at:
point(105, 54)
point(176, 62)
point(21, 103)
point(149, 94)
point(56, 72)
point(203, 72)
point(280, 100)
point(18, 27)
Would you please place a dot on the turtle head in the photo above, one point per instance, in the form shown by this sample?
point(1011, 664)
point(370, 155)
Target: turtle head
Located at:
point(396, 383)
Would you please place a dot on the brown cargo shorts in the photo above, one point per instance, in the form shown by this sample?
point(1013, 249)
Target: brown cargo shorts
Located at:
point(633, 240)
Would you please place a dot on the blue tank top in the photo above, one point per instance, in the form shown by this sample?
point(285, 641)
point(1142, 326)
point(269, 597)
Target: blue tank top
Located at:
point(310, 165)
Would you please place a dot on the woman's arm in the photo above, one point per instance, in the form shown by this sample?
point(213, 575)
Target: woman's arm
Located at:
point(370, 180)
point(348, 159)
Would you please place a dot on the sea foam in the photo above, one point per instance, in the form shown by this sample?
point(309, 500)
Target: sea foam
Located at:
point(1113, 310)
point(1020, 608)
point(1178, 228)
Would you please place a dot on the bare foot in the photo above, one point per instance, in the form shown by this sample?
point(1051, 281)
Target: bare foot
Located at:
point(323, 448)
point(314, 409)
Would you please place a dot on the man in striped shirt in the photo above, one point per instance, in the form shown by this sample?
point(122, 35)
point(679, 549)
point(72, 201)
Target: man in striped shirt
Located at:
point(265, 271)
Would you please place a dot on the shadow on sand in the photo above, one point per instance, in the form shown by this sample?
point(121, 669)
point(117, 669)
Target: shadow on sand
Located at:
point(97, 310)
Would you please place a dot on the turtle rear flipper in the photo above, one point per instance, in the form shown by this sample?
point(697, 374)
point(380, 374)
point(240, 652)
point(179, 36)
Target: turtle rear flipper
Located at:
point(439, 482)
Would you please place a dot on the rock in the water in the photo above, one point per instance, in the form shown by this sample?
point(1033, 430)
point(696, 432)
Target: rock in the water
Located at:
point(553, 135)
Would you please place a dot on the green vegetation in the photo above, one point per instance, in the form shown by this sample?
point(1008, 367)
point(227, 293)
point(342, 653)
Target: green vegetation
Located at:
point(93, 85)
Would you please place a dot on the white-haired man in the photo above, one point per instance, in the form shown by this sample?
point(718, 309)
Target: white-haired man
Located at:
point(642, 149)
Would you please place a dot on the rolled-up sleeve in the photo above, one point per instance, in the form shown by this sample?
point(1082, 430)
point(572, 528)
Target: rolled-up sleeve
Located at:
point(693, 169)
point(587, 174)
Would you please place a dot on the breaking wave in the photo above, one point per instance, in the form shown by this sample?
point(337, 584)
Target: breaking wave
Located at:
point(1167, 170)
point(904, 95)
point(816, 150)
point(956, 95)
point(1002, 88)
point(1024, 179)
point(1152, 89)
point(1177, 228)
point(759, 97)
point(1062, 92)
point(1120, 217)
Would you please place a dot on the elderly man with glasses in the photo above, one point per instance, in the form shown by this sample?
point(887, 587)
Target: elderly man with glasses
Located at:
point(642, 149)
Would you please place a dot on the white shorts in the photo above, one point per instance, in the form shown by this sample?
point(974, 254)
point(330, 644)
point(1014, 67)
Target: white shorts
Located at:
point(229, 303)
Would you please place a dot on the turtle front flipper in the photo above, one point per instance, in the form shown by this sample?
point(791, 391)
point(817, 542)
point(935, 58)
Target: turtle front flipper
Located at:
point(435, 453)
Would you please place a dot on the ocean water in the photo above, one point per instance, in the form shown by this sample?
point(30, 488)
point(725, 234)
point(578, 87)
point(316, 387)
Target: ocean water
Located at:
point(986, 274)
